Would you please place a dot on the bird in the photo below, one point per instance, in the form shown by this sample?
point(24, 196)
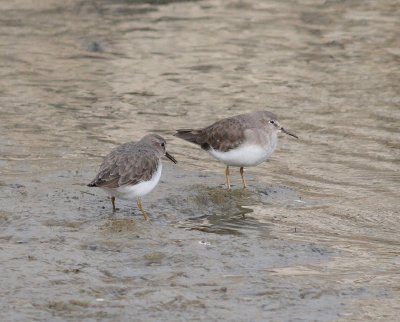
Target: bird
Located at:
point(242, 140)
point(132, 170)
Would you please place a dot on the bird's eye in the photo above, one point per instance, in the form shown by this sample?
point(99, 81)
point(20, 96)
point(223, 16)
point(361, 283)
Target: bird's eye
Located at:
point(272, 122)
point(163, 144)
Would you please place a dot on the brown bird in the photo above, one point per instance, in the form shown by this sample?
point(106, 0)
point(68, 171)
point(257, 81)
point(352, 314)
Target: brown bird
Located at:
point(242, 140)
point(133, 169)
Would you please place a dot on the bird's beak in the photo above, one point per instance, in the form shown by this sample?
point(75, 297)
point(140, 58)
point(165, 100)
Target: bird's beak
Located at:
point(288, 133)
point(169, 156)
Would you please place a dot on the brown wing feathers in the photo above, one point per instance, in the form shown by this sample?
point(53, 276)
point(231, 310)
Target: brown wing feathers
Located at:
point(189, 135)
point(122, 167)
point(222, 135)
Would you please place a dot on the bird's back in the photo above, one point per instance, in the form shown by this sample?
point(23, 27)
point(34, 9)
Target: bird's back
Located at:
point(129, 163)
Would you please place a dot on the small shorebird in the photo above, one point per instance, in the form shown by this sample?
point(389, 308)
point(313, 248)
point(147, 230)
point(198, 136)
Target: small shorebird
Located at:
point(242, 140)
point(132, 170)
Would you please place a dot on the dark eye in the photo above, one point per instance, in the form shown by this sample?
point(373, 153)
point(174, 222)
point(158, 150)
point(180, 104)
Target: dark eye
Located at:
point(163, 144)
point(272, 122)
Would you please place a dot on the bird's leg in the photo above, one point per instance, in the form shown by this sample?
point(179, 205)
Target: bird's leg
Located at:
point(139, 204)
point(113, 203)
point(227, 173)
point(244, 181)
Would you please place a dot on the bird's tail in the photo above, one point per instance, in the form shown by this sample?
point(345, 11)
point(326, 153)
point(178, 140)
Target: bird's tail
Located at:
point(189, 135)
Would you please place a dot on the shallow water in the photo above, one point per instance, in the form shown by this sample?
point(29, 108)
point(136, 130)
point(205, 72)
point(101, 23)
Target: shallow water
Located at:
point(314, 238)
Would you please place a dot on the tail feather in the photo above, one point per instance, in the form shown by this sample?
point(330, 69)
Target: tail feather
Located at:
point(189, 135)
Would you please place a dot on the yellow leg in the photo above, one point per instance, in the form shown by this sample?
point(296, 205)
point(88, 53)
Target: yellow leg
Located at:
point(139, 204)
point(244, 181)
point(227, 173)
point(113, 203)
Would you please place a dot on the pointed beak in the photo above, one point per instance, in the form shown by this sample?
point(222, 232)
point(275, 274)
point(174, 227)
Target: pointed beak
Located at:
point(169, 156)
point(288, 133)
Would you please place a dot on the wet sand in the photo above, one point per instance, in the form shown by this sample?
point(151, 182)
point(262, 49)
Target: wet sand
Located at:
point(314, 238)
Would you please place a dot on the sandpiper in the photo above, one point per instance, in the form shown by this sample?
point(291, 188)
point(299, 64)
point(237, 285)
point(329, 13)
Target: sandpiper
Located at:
point(132, 170)
point(242, 140)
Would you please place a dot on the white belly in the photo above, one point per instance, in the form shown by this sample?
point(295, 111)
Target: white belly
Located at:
point(127, 192)
point(244, 155)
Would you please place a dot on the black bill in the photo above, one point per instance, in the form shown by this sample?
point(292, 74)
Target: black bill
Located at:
point(169, 156)
point(288, 133)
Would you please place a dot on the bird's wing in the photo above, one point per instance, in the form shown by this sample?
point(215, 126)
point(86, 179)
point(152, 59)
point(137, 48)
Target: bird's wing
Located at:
point(122, 167)
point(223, 135)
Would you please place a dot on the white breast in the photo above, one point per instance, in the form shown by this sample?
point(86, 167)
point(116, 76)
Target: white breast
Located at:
point(245, 155)
point(128, 192)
